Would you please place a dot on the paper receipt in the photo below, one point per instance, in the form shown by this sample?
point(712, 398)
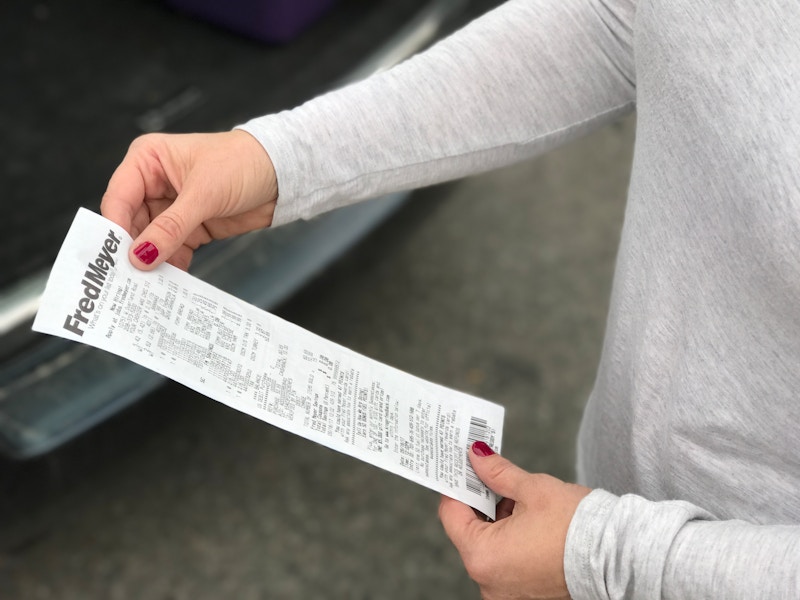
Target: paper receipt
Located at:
point(226, 349)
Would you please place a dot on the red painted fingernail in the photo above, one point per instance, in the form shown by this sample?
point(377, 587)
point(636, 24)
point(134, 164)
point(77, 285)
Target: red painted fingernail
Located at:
point(482, 449)
point(146, 252)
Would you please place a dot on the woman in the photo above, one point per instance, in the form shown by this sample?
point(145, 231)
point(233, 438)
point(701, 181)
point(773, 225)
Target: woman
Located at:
point(689, 443)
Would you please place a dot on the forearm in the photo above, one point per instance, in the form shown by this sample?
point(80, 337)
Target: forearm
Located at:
point(629, 547)
point(518, 81)
point(734, 560)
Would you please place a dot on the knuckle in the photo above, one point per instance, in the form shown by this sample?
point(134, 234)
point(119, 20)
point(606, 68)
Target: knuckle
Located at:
point(147, 146)
point(145, 140)
point(171, 225)
point(139, 143)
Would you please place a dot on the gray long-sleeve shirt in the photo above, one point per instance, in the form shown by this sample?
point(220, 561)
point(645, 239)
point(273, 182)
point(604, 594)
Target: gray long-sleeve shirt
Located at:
point(693, 427)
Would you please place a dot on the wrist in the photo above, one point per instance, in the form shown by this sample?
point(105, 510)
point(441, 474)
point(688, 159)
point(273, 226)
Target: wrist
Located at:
point(259, 175)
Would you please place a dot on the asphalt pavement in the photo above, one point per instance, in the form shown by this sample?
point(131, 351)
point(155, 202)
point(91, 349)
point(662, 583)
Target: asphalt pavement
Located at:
point(496, 285)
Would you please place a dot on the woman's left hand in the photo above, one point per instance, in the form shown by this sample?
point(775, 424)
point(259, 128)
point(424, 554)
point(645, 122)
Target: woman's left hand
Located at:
point(521, 555)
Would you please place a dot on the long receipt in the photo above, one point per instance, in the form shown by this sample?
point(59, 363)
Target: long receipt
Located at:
point(224, 348)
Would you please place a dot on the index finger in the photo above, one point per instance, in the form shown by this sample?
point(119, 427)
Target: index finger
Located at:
point(460, 523)
point(124, 195)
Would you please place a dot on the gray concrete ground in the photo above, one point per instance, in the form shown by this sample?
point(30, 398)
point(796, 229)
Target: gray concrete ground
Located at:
point(496, 285)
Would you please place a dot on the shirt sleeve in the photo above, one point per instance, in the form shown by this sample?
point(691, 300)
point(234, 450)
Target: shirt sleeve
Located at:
point(518, 81)
point(629, 547)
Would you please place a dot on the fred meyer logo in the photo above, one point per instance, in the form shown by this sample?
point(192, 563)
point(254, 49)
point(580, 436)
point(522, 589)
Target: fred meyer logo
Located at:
point(93, 280)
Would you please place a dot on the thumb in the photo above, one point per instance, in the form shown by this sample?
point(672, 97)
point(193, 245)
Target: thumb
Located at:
point(501, 475)
point(165, 236)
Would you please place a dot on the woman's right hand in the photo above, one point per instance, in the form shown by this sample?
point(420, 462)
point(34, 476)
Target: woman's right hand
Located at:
point(173, 193)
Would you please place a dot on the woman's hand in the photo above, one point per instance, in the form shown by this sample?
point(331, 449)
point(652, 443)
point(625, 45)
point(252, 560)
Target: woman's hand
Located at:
point(521, 555)
point(173, 193)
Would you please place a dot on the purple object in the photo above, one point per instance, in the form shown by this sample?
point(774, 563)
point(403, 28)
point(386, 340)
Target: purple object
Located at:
point(266, 20)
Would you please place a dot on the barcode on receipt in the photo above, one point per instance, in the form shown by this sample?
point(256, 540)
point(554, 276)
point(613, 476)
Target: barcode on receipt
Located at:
point(478, 432)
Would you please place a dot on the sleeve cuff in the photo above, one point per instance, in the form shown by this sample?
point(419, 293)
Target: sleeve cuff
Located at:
point(617, 546)
point(270, 133)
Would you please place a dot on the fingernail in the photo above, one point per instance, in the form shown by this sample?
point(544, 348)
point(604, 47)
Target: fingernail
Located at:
point(146, 252)
point(482, 449)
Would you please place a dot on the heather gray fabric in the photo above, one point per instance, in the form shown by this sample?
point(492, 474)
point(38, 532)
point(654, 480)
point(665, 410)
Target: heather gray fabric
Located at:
point(692, 427)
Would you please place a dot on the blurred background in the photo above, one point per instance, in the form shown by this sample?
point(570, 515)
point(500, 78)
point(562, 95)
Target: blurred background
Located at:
point(496, 285)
